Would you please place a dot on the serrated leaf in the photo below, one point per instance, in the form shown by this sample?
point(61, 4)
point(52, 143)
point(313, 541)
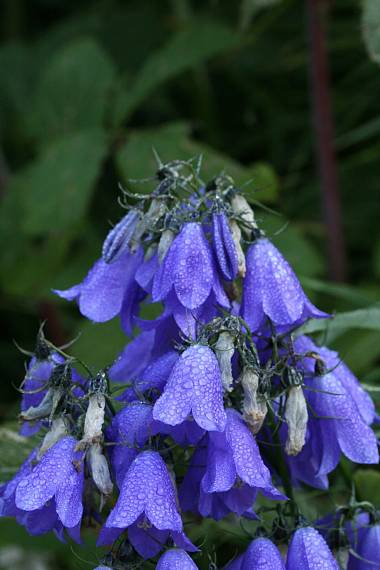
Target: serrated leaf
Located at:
point(371, 28)
point(187, 48)
point(57, 187)
point(172, 141)
point(73, 92)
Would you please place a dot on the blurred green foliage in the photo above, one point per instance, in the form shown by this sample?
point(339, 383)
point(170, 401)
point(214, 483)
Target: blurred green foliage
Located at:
point(88, 87)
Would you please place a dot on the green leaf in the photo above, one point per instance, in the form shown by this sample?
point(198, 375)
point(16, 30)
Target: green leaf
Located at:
point(73, 92)
point(345, 292)
point(367, 482)
point(249, 8)
point(108, 338)
point(192, 46)
point(57, 187)
point(368, 318)
point(172, 141)
point(371, 28)
point(14, 449)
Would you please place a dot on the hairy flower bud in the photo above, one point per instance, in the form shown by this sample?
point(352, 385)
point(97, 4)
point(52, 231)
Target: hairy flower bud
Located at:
point(296, 417)
point(58, 429)
point(166, 240)
point(254, 404)
point(99, 469)
point(241, 208)
point(236, 236)
point(224, 350)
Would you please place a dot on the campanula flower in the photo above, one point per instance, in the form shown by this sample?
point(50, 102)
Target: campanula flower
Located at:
point(109, 289)
point(272, 290)
point(129, 430)
point(147, 506)
point(226, 473)
point(367, 550)
point(335, 424)
point(146, 490)
point(176, 560)
point(55, 476)
point(224, 246)
point(261, 553)
point(309, 551)
point(188, 268)
point(195, 386)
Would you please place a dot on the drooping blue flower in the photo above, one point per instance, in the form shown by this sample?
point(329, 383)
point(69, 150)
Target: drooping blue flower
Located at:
point(188, 269)
point(224, 246)
point(272, 290)
point(189, 320)
point(185, 434)
point(133, 359)
point(337, 421)
point(147, 497)
point(109, 289)
point(146, 272)
point(195, 386)
point(367, 550)
point(309, 551)
point(37, 376)
point(350, 383)
point(176, 560)
point(55, 476)
point(148, 540)
point(261, 553)
point(38, 521)
point(128, 432)
point(226, 472)
point(8, 490)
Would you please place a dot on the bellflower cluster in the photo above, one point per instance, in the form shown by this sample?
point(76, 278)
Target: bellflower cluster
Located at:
point(216, 408)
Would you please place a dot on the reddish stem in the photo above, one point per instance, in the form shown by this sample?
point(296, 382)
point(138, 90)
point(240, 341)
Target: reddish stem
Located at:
point(324, 129)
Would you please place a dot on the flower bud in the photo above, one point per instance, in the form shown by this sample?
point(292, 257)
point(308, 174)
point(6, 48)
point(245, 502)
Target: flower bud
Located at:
point(99, 469)
point(296, 417)
point(156, 210)
point(166, 240)
point(254, 404)
point(57, 430)
point(43, 410)
point(241, 208)
point(117, 241)
point(224, 350)
point(236, 237)
point(94, 419)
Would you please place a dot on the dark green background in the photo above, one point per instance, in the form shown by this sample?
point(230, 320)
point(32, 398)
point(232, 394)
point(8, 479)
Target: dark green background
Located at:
point(87, 88)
